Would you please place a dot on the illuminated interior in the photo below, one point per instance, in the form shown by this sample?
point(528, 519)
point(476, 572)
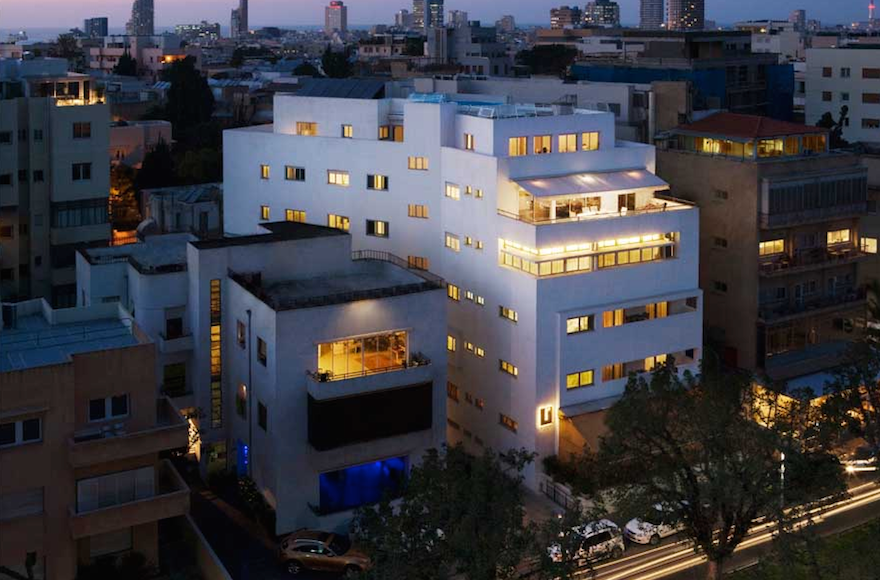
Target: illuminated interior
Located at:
point(363, 355)
point(783, 146)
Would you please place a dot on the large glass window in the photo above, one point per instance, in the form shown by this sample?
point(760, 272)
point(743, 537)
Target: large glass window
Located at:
point(364, 355)
point(838, 237)
point(590, 141)
point(306, 129)
point(517, 146)
point(114, 489)
point(543, 144)
point(362, 484)
point(771, 247)
point(568, 143)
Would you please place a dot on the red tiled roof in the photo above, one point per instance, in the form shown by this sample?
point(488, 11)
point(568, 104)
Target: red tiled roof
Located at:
point(747, 127)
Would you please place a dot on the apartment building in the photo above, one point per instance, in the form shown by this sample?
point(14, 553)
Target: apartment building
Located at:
point(131, 141)
point(781, 243)
point(54, 177)
point(318, 371)
point(565, 17)
point(847, 76)
point(196, 209)
point(153, 54)
point(779, 37)
point(81, 433)
point(567, 263)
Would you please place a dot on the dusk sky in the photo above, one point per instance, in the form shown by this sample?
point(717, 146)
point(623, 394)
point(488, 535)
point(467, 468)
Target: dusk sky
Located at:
point(69, 13)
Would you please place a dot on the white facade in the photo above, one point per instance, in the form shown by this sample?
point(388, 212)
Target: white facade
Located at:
point(130, 142)
point(845, 76)
point(478, 231)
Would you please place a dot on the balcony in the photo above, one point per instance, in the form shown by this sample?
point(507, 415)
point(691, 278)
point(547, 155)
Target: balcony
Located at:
point(175, 343)
point(808, 216)
point(809, 260)
point(563, 213)
point(102, 445)
point(324, 385)
point(170, 499)
point(777, 312)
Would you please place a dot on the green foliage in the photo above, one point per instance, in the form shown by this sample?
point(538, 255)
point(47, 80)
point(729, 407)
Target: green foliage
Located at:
point(459, 514)
point(157, 169)
point(827, 121)
point(336, 64)
point(415, 46)
point(126, 65)
point(255, 503)
point(307, 69)
point(573, 472)
point(200, 166)
point(190, 101)
point(551, 59)
point(560, 534)
point(853, 397)
point(124, 211)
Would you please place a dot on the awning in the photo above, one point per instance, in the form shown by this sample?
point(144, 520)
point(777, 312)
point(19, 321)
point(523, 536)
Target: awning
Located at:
point(587, 407)
point(586, 183)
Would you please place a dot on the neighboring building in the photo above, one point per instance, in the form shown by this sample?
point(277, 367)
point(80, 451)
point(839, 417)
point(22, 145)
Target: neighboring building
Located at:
point(849, 76)
point(194, 209)
point(54, 177)
point(141, 23)
point(651, 14)
point(780, 240)
point(434, 14)
point(153, 54)
point(602, 13)
point(506, 24)
point(685, 14)
point(403, 19)
point(799, 19)
point(131, 141)
point(95, 27)
point(81, 431)
point(565, 17)
point(775, 36)
point(418, 15)
point(335, 18)
point(568, 265)
point(238, 22)
point(474, 48)
point(458, 18)
point(870, 224)
point(201, 33)
point(284, 337)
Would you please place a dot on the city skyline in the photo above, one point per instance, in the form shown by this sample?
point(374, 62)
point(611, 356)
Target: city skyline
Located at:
point(63, 14)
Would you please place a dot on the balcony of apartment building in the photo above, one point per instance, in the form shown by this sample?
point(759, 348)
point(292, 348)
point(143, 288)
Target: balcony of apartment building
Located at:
point(838, 297)
point(809, 260)
point(174, 338)
point(126, 499)
point(114, 442)
point(615, 376)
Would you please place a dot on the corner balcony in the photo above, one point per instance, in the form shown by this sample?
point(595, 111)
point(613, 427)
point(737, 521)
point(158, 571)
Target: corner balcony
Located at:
point(778, 312)
point(175, 343)
point(324, 385)
point(576, 211)
point(810, 260)
point(170, 499)
point(113, 442)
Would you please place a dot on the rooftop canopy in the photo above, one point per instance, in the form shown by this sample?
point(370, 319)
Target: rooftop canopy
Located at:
point(584, 183)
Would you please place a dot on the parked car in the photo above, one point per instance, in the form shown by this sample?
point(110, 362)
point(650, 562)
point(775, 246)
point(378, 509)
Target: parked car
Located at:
point(861, 460)
point(658, 524)
point(323, 551)
point(601, 540)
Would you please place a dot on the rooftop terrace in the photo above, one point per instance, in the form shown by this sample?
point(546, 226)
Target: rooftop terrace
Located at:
point(157, 255)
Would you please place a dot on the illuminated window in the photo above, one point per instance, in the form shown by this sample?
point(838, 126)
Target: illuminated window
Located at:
point(590, 141)
point(517, 146)
point(384, 133)
point(215, 356)
point(295, 215)
point(468, 241)
point(542, 144)
point(451, 343)
point(417, 211)
point(478, 193)
point(838, 237)
point(363, 355)
point(377, 228)
point(347, 132)
point(418, 163)
point(771, 247)
point(335, 177)
point(397, 134)
point(480, 301)
point(340, 222)
point(612, 318)
point(453, 292)
point(657, 310)
point(479, 352)
point(469, 346)
point(306, 129)
point(579, 324)
point(508, 368)
point(264, 212)
point(508, 313)
point(479, 403)
point(868, 245)
point(579, 379)
point(568, 143)
point(264, 172)
point(292, 173)
point(507, 422)
point(377, 182)
point(452, 391)
point(612, 372)
point(468, 141)
point(262, 351)
point(478, 245)
point(453, 190)
point(417, 262)
point(241, 400)
point(654, 361)
point(468, 190)
point(453, 242)
point(545, 416)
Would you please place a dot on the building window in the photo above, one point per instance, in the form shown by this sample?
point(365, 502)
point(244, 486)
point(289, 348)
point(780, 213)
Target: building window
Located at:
point(508, 368)
point(871, 73)
point(5, 137)
point(719, 286)
point(507, 422)
point(377, 182)
point(478, 193)
point(838, 237)
point(20, 504)
point(417, 211)
point(115, 489)
point(292, 173)
point(826, 72)
point(240, 333)
point(478, 245)
point(306, 129)
point(38, 134)
point(590, 141)
point(453, 190)
point(335, 177)
point(568, 143)
point(5, 179)
point(82, 130)
point(108, 408)
point(264, 212)
point(579, 324)
point(262, 351)
point(845, 72)
point(384, 133)
point(868, 245)
point(453, 292)
point(377, 228)
point(871, 98)
point(365, 484)
point(417, 163)
point(771, 247)
point(262, 416)
point(81, 171)
point(241, 400)
point(517, 146)
point(508, 313)
point(86, 212)
point(453, 242)
point(612, 372)
point(38, 176)
point(542, 144)
point(844, 97)
point(216, 356)
point(870, 123)
point(364, 355)
point(21, 432)
point(264, 171)
point(340, 222)
point(612, 318)
point(579, 379)
point(479, 403)
point(418, 262)
point(451, 343)
point(347, 131)
point(468, 141)
point(295, 215)
point(452, 391)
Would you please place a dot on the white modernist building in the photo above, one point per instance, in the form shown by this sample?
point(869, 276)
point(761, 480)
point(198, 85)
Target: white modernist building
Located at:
point(567, 264)
point(847, 76)
point(318, 371)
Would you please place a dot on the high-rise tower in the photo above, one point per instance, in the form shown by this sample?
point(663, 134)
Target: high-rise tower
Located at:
point(651, 14)
point(141, 23)
point(685, 14)
point(238, 24)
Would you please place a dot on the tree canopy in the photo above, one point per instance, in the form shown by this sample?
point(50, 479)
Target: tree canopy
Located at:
point(157, 169)
point(550, 59)
point(190, 101)
point(336, 64)
point(126, 65)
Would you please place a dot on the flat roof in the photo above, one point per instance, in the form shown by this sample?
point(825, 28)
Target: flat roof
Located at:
point(276, 232)
point(158, 254)
point(583, 183)
point(36, 343)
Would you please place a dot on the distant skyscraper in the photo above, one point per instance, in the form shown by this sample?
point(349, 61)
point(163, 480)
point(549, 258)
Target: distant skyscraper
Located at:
point(141, 23)
point(238, 23)
point(95, 27)
point(335, 17)
point(458, 18)
point(565, 17)
point(799, 19)
point(418, 14)
point(507, 24)
point(685, 14)
point(651, 14)
point(434, 14)
point(403, 19)
point(602, 13)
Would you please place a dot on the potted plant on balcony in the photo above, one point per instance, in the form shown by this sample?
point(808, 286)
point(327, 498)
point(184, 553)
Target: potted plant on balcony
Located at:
point(417, 359)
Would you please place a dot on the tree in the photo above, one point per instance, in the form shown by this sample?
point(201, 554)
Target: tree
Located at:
point(692, 445)
point(557, 545)
point(415, 46)
point(126, 65)
point(336, 64)
point(307, 69)
point(836, 127)
point(157, 169)
point(853, 397)
point(124, 211)
point(203, 165)
point(551, 59)
point(459, 514)
point(190, 101)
